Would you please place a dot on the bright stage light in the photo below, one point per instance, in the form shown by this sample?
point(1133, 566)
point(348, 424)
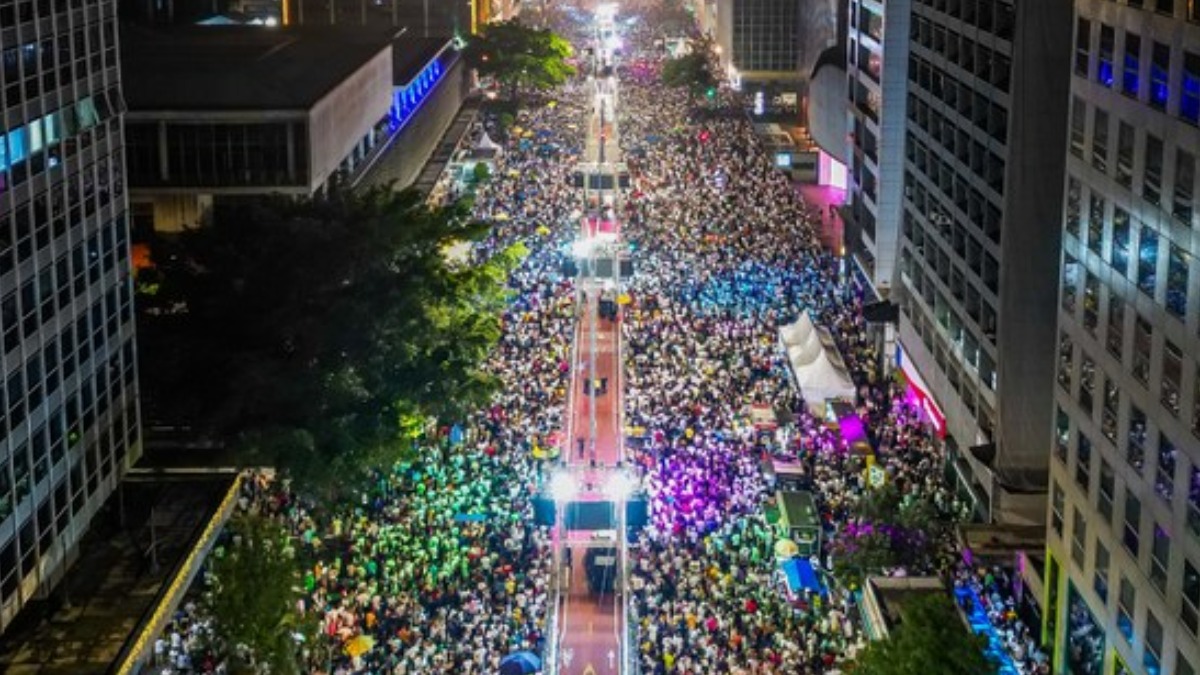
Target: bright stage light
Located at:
point(620, 485)
point(563, 487)
point(583, 248)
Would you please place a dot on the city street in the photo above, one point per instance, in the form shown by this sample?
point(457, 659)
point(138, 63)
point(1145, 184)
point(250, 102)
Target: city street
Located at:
point(697, 374)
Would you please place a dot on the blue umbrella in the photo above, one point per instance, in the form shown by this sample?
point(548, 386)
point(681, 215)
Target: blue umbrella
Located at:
point(520, 663)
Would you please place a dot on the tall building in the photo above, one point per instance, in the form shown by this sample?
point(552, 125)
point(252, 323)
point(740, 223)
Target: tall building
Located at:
point(877, 66)
point(760, 42)
point(1124, 541)
point(983, 175)
point(69, 419)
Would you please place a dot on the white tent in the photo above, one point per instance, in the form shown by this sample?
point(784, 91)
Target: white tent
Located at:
point(486, 143)
point(816, 365)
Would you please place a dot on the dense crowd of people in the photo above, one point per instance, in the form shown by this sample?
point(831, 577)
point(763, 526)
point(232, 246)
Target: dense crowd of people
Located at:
point(728, 253)
point(436, 565)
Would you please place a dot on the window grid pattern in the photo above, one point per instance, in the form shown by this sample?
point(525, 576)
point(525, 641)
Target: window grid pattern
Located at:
point(68, 413)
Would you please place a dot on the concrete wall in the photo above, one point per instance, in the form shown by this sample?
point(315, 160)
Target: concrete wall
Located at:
point(346, 114)
point(1031, 234)
point(403, 161)
point(827, 105)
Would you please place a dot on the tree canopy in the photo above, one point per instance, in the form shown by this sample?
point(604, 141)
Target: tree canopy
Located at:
point(253, 587)
point(930, 640)
point(888, 530)
point(517, 56)
point(690, 70)
point(325, 333)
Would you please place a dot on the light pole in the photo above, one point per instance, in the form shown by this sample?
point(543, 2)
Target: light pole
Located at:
point(619, 487)
point(563, 488)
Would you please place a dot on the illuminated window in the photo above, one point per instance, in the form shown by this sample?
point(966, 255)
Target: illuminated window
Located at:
point(1160, 68)
point(1185, 186)
point(1189, 96)
point(1104, 66)
point(1132, 61)
point(1135, 448)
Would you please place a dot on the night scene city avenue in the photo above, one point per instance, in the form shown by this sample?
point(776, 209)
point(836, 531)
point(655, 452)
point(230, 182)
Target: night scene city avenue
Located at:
point(590, 337)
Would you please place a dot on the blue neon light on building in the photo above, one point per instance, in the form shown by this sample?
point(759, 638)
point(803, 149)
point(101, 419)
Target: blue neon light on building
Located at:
point(409, 98)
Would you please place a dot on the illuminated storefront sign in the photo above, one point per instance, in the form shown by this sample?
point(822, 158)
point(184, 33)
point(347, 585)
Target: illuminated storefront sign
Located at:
point(918, 393)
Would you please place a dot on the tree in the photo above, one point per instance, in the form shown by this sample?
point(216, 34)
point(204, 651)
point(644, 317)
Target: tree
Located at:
point(930, 640)
point(888, 530)
point(322, 335)
point(253, 588)
point(691, 71)
point(517, 56)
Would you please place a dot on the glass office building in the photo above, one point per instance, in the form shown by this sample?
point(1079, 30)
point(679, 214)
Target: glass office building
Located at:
point(979, 249)
point(69, 415)
point(1124, 515)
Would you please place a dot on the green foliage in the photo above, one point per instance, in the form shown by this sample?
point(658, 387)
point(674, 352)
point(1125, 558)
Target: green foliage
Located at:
point(520, 56)
point(253, 593)
point(930, 640)
point(889, 531)
point(690, 70)
point(318, 331)
point(481, 173)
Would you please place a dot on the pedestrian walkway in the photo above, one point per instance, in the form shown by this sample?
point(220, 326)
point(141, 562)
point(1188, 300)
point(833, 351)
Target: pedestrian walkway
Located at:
point(591, 612)
point(125, 570)
point(826, 201)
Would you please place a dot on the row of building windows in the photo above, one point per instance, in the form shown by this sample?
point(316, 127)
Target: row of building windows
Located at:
point(867, 21)
point(1157, 570)
point(1143, 71)
point(1099, 395)
point(49, 215)
point(968, 380)
point(27, 387)
point(951, 95)
point(961, 55)
point(24, 466)
point(942, 251)
point(13, 12)
point(90, 466)
point(1189, 9)
point(213, 155)
point(1167, 175)
point(39, 67)
point(1176, 370)
point(997, 17)
point(765, 35)
point(38, 299)
point(1129, 249)
point(964, 170)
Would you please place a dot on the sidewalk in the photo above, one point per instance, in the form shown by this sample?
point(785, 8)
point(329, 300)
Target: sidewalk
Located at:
point(113, 588)
point(821, 197)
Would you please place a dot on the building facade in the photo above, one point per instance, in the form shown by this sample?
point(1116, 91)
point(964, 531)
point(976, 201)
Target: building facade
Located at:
point(69, 421)
point(263, 111)
point(877, 67)
point(978, 258)
point(1124, 541)
point(760, 41)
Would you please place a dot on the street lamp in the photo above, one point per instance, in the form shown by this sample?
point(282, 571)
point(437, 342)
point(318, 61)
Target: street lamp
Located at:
point(619, 486)
point(563, 487)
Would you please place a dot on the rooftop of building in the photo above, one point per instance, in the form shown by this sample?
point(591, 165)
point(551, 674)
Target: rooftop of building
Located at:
point(241, 68)
point(127, 567)
point(893, 593)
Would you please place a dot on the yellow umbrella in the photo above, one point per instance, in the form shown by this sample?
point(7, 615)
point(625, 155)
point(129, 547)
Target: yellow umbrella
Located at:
point(624, 299)
point(786, 548)
point(543, 230)
point(552, 104)
point(359, 645)
point(501, 216)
